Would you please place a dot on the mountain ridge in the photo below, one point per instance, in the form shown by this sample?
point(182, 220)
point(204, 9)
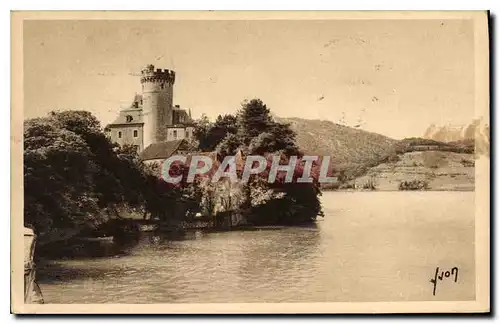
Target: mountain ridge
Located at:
point(477, 130)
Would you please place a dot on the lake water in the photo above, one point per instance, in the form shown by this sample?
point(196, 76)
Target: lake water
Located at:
point(370, 246)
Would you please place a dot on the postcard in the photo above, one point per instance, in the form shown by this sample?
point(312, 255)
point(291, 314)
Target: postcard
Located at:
point(250, 162)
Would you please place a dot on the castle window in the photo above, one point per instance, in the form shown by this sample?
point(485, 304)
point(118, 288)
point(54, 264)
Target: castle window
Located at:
point(175, 134)
point(135, 133)
point(119, 134)
point(129, 118)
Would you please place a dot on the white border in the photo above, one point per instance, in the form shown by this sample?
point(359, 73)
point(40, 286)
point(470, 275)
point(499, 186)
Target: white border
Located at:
point(197, 5)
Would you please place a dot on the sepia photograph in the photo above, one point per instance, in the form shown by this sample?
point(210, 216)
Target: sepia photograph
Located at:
point(250, 162)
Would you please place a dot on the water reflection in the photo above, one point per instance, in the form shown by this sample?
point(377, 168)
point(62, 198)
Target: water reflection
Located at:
point(355, 254)
point(281, 265)
point(51, 272)
point(85, 249)
point(280, 251)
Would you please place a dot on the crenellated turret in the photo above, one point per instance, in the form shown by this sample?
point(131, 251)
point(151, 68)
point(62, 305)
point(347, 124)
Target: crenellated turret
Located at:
point(148, 74)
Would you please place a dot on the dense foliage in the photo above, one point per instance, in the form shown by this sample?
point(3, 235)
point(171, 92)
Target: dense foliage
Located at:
point(210, 134)
point(253, 131)
point(75, 177)
point(414, 185)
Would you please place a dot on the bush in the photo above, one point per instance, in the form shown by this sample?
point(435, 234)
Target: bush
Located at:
point(467, 163)
point(370, 184)
point(348, 186)
point(392, 158)
point(414, 185)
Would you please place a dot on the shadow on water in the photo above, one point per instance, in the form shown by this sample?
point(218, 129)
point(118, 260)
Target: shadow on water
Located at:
point(180, 235)
point(161, 240)
point(285, 249)
point(117, 246)
point(50, 258)
point(81, 248)
point(51, 272)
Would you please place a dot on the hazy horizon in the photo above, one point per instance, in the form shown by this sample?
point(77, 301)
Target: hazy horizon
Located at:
point(355, 72)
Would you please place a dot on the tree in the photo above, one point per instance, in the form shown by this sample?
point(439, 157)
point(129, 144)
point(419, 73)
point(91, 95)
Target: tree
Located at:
point(254, 118)
point(279, 202)
point(58, 187)
point(229, 145)
point(254, 131)
point(209, 135)
point(200, 132)
point(224, 125)
point(282, 202)
point(278, 138)
point(284, 139)
point(75, 177)
point(119, 175)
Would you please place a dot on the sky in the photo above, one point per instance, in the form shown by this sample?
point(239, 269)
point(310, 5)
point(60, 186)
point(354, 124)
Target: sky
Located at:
point(393, 77)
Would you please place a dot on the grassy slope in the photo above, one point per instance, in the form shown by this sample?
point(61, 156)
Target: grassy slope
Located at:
point(350, 149)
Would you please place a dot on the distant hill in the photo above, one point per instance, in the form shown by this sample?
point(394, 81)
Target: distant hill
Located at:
point(352, 150)
point(357, 153)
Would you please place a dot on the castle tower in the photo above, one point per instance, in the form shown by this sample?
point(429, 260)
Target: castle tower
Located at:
point(157, 93)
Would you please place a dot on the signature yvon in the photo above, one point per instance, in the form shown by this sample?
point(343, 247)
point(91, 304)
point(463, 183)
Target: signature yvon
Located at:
point(453, 273)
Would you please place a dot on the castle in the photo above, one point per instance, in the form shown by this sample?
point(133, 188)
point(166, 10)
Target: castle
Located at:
point(151, 122)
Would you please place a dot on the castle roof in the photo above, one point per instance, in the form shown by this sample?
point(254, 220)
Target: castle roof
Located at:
point(137, 102)
point(128, 116)
point(180, 116)
point(163, 150)
point(132, 114)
